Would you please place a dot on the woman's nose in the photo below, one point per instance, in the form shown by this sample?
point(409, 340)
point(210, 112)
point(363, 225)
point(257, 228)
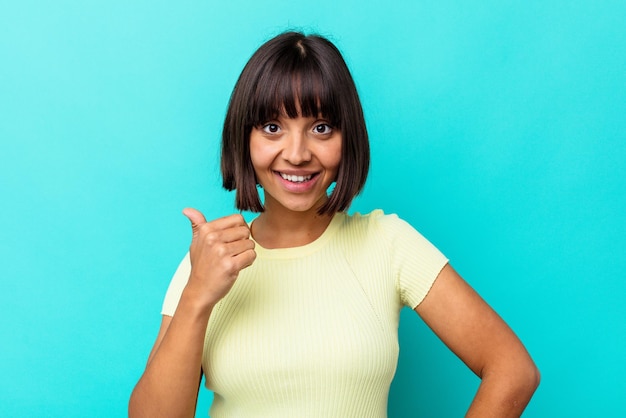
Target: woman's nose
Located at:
point(296, 149)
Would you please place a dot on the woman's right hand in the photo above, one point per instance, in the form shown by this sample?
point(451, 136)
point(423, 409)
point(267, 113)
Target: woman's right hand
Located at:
point(219, 250)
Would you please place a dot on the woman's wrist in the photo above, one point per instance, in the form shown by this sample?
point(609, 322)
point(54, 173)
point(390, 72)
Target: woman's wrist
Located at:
point(196, 303)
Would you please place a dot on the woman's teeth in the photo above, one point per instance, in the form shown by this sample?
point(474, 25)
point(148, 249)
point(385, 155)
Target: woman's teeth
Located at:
point(296, 179)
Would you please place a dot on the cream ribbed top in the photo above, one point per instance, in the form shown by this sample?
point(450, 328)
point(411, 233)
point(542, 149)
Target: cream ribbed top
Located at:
point(312, 331)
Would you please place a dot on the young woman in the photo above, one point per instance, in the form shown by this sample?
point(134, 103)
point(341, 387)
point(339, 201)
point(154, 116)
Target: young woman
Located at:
point(296, 314)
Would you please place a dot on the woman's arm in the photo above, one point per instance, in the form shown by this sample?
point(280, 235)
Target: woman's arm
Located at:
point(484, 342)
point(169, 385)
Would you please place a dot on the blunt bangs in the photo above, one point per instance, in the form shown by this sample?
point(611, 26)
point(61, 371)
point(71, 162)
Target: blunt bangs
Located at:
point(293, 86)
point(294, 75)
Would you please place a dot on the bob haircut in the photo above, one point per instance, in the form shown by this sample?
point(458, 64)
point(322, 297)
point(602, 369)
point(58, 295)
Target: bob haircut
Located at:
point(294, 73)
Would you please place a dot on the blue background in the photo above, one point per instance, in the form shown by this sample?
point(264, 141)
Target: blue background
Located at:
point(498, 130)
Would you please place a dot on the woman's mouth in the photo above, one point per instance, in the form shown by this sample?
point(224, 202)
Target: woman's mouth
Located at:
point(295, 178)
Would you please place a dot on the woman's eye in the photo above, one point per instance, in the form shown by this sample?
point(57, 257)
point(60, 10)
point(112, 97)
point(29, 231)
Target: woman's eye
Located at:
point(322, 128)
point(271, 128)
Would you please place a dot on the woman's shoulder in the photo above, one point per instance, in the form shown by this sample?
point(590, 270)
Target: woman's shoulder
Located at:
point(376, 217)
point(376, 223)
point(386, 227)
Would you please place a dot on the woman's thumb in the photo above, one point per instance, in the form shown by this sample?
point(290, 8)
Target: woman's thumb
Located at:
point(195, 217)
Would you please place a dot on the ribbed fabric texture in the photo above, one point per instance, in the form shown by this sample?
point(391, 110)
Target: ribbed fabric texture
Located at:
point(311, 331)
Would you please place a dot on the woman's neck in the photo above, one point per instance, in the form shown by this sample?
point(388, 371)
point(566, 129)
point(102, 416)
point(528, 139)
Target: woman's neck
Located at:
point(286, 229)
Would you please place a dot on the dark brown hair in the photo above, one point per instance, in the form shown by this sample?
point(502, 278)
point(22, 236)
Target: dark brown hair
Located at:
point(288, 68)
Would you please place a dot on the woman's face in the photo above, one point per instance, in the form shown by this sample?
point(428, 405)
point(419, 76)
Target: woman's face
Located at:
point(295, 161)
